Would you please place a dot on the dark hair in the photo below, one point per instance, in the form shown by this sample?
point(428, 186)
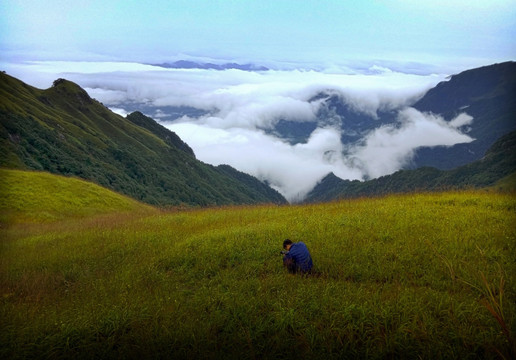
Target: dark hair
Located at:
point(286, 242)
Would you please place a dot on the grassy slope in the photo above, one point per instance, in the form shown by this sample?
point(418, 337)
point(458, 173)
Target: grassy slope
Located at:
point(400, 276)
point(35, 197)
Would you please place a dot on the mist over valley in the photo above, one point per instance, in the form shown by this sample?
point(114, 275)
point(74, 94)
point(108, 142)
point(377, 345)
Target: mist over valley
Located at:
point(289, 128)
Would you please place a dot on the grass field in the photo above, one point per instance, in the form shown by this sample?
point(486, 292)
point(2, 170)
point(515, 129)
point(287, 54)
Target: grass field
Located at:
point(412, 276)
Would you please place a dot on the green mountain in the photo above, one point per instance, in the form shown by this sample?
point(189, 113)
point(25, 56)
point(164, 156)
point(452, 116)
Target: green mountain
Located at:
point(64, 131)
point(488, 94)
point(498, 165)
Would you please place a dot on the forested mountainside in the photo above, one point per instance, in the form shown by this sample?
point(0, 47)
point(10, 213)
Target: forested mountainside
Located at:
point(63, 130)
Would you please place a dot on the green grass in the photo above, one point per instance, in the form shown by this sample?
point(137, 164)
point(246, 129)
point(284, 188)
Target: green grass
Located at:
point(419, 276)
point(32, 197)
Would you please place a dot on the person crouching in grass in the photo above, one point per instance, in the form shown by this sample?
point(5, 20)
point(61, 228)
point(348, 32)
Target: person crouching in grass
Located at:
point(296, 257)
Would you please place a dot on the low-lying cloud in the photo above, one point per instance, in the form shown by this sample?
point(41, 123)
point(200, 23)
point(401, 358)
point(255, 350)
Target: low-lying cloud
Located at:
point(389, 148)
point(238, 110)
point(295, 169)
point(292, 170)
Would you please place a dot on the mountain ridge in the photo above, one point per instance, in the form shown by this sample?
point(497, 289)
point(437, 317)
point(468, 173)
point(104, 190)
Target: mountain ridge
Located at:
point(498, 163)
point(186, 64)
point(63, 130)
point(488, 94)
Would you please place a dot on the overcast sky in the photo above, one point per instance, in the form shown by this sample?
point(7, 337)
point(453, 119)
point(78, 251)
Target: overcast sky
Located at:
point(441, 32)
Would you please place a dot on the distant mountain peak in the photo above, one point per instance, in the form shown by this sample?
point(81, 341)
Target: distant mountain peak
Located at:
point(186, 64)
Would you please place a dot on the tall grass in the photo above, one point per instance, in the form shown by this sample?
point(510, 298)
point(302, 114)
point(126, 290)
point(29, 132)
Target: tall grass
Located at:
point(40, 197)
point(414, 276)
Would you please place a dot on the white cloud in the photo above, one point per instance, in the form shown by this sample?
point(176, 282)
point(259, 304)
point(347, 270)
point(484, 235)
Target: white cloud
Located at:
point(389, 148)
point(292, 170)
point(119, 111)
point(461, 120)
point(111, 97)
point(159, 114)
point(242, 105)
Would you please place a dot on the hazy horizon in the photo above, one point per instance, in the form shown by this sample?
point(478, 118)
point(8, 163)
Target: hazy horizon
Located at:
point(375, 55)
point(449, 35)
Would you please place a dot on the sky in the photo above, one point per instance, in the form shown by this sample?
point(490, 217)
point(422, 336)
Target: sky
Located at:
point(439, 32)
point(375, 55)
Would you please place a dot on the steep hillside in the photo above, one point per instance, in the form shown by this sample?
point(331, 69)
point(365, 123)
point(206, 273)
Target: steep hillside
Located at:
point(168, 136)
point(63, 131)
point(498, 164)
point(488, 94)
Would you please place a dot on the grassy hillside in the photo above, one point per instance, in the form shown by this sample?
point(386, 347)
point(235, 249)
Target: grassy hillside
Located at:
point(413, 276)
point(35, 197)
point(63, 131)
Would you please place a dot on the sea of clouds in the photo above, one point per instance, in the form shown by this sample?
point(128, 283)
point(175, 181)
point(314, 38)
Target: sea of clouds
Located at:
point(240, 110)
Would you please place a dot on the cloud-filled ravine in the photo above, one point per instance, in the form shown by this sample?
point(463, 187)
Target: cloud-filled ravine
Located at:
point(231, 116)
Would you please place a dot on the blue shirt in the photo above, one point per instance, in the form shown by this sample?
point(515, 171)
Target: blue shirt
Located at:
point(301, 256)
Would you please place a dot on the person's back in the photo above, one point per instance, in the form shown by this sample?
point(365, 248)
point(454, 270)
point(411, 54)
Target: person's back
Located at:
point(299, 255)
